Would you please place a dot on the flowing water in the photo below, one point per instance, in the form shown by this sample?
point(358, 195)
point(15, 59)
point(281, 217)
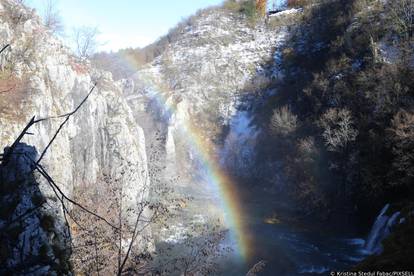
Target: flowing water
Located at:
point(291, 250)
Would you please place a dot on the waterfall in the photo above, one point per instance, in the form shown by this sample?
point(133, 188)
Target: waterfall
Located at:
point(238, 151)
point(380, 230)
point(170, 144)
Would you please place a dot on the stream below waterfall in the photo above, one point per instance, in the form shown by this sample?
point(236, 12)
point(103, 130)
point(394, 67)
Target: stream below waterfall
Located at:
point(291, 250)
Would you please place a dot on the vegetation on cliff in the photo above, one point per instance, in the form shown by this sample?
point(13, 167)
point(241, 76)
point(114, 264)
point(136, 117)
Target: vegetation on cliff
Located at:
point(342, 118)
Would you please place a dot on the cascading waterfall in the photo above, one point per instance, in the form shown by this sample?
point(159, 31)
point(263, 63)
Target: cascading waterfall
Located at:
point(380, 230)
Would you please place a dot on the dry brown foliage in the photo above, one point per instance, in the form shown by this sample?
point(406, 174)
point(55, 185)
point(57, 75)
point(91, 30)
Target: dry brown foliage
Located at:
point(13, 93)
point(297, 3)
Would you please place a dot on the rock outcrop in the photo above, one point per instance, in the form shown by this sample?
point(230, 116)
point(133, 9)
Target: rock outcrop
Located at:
point(42, 78)
point(33, 235)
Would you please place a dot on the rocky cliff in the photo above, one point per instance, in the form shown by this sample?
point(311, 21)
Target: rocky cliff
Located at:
point(34, 237)
point(41, 78)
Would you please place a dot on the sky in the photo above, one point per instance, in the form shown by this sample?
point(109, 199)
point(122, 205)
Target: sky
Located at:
point(124, 23)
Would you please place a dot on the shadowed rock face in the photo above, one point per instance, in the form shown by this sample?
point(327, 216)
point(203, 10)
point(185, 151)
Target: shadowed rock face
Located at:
point(33, 237)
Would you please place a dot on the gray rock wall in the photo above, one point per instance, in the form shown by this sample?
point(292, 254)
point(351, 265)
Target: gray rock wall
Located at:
point(102, 137)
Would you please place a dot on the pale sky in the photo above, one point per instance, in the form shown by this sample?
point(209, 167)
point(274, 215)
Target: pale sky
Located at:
point(125, 23)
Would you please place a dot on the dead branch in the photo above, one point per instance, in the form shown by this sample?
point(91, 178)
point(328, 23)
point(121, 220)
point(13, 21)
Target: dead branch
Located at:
point(4, 48)
point(8, 89)
point(17, 141)
point(43, 172)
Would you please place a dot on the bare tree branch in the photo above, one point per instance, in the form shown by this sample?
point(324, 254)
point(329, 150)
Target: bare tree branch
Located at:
point(17, 141)
point(85, 39)
point(4, 48)
point(52, 18)
point(43, 172)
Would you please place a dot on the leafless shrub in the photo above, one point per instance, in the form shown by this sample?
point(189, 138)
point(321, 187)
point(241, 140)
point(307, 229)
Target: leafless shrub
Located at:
point(283, 121)
point(16, 13)
point(297, 3)
point(26, 52)
point(232, 5)
point(338, 129)
point(13, 92)
point(307, 149)
point(85, 40)
point(403, 125)
point(402, 140)
point(99, 248)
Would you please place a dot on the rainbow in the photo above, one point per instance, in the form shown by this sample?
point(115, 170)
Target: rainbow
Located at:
point(216, 176)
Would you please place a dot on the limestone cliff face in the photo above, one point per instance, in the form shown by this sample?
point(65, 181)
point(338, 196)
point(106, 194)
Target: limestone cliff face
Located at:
point(42, 79)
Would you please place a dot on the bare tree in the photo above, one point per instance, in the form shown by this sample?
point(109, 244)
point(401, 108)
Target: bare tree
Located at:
point(283, 121)
point(402, 140)
point(339, 129)
point(102, 249)
point(99, 249)
point(52, 18)
point(85, 41)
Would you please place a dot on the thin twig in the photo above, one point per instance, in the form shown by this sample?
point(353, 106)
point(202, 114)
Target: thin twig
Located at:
point(4, 48)
point(17, 141)
point(121, 268)
point(42, 171)
point(135, 232)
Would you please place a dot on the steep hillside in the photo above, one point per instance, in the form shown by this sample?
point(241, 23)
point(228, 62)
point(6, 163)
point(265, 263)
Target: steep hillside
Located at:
point(204, 76)
point(341, 121)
